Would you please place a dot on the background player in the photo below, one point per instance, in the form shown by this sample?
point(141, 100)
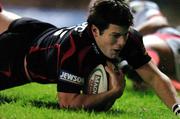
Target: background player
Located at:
point(161, 40)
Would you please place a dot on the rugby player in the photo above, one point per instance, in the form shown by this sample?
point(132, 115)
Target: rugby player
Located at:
point(161, 40)
point(35, 51)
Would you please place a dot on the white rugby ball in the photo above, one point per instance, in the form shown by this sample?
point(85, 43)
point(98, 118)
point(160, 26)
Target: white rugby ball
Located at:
point(97, 80)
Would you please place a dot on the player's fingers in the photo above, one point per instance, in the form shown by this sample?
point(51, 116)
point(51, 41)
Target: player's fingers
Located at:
point(109, 70)
point(110, 65)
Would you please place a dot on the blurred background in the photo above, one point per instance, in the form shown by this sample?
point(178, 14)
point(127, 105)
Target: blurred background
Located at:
point(71, 12)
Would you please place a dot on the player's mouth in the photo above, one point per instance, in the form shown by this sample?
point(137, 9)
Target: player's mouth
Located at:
point(117, 51)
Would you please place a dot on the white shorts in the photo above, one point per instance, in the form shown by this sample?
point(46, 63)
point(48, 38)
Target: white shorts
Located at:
point(175, 46)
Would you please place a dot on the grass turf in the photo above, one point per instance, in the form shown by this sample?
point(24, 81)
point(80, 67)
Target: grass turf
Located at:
point(36, 101)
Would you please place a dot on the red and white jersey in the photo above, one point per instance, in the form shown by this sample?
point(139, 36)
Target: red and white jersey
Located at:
point(172, 37)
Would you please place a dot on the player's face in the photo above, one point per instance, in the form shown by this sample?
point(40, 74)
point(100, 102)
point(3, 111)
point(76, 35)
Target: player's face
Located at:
point(112, 40)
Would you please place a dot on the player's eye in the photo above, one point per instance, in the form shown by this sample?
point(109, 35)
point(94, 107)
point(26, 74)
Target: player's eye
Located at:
point(126, 34)
point(119, 35)
point(116, 36)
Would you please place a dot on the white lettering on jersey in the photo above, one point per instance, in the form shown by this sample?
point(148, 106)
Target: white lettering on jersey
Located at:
point(71, 78)
point(60, 32)
point(81, 27)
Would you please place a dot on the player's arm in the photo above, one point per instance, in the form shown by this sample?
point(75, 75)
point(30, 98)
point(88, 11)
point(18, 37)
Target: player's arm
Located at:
point(159, 82)
point(152, 25)
point(95, 101)
point(6, 18)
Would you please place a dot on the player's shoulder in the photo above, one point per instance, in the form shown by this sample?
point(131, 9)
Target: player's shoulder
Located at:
point(82, 33)
point(79, 28)
point(134, 33)
point(73, 32)
point(134, 36)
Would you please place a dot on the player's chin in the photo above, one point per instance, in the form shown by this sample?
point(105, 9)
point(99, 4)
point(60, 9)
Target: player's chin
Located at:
point(111, 54)
point(114, 56)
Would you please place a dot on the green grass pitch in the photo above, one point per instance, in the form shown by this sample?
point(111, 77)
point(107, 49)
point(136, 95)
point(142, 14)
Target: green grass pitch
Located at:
point(36, 101)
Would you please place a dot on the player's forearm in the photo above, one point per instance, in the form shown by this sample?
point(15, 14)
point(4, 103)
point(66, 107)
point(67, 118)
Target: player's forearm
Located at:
point(101, 100)
point(165, 91)
point(95, 102)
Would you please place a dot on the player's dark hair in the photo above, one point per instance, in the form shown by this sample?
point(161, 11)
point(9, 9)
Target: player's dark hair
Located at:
point(105, 12)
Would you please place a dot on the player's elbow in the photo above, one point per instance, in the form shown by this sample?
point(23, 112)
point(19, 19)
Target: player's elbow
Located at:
point(75, 101)
point(72, 101)
point(72, 104)
point(67, 100)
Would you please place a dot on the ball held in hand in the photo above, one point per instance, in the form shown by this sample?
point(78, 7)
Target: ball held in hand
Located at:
point(98, 81)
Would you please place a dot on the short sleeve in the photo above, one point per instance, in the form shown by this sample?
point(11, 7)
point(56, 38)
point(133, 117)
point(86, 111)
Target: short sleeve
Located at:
point(70, 83)
point(70, 79)
point(134, 51)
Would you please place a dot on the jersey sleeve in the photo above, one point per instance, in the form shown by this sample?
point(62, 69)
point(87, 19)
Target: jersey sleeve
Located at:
point(134, 51)
point(70, 79)
point(69, 82)
point(52, 59)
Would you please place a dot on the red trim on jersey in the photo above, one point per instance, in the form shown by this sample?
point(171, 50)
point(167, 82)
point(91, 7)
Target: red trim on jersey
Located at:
point(58, 46)
point(155, 15)
point(70, 51)
point(154, 55)
point(34, 49)
point(176, 84)
point(166, 36)
point(7, 73)
point(82, 54)
point(35, 76)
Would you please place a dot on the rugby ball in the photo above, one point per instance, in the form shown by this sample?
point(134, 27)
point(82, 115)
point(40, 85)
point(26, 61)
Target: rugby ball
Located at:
point(97, 80)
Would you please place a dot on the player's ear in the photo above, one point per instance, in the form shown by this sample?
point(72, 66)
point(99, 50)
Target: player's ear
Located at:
point(95, 30)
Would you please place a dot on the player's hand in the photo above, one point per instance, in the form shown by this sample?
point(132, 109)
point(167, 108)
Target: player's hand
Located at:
point(116, 78)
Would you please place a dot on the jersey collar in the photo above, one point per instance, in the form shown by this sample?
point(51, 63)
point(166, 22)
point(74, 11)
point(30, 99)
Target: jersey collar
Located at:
point(93, 42)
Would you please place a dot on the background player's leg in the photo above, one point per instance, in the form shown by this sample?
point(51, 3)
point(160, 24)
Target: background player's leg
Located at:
point(0, 7)
point(6, 18)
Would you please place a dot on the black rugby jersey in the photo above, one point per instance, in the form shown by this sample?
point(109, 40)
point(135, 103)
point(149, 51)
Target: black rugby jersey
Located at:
point(65, 55)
